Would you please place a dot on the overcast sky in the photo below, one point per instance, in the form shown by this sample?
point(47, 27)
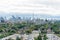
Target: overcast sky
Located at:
point(51, 7)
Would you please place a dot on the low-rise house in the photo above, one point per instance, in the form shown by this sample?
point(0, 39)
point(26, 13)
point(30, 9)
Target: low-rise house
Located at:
point(23, 36)
point(12, 37)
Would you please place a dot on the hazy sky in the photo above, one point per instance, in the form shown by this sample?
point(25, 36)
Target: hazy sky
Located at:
point(51, 7)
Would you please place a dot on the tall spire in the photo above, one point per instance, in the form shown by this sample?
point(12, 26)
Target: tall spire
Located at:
point(33, 15)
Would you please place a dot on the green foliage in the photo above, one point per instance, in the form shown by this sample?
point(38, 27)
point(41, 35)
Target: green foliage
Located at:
point(45, 37)
point(18, 38)
point(10, 28)
point(28, 31)
point(56, 28)
point(38, 38)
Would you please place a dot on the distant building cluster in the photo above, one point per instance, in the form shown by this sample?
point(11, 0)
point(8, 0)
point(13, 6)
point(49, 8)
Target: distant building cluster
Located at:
point(24, 19)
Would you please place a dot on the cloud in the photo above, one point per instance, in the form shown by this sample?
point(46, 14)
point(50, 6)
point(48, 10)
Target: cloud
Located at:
point(51, 7)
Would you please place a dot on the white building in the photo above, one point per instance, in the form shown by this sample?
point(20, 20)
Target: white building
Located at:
point(24, 36)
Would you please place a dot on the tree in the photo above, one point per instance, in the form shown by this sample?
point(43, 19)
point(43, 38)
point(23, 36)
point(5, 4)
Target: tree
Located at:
point(28, 31)
point(45, 37)
point(38, 38)
point(35, 39)
point(18, 38)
